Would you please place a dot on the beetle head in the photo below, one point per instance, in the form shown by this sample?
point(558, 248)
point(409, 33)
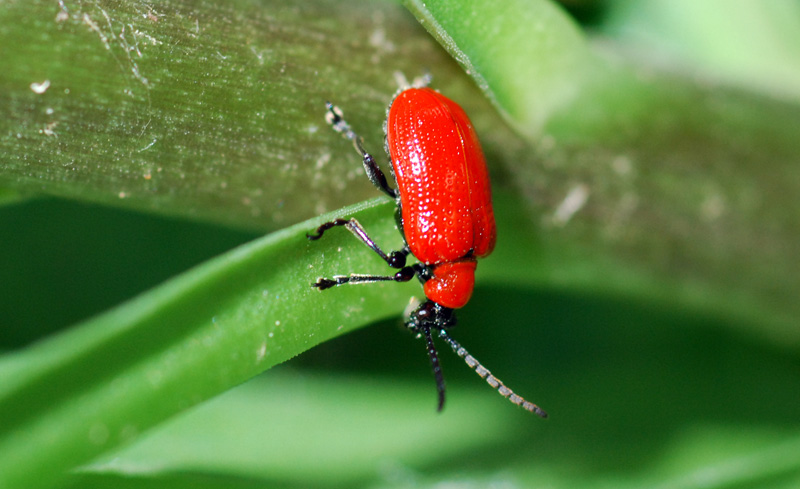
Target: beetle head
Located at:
point(430, 315)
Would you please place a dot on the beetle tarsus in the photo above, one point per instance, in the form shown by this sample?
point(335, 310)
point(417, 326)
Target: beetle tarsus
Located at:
point(324, 227)
point(324, 283)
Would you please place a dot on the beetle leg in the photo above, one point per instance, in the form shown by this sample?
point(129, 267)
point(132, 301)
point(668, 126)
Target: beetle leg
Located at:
point(395, 259)
point(336, 119)
point(403, 275)
point(374, 173)
point(324, 227)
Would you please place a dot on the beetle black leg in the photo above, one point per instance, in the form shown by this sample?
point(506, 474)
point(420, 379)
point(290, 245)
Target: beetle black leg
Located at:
point(395, 259)
point(404, 275)
point(324, 227)
point(335, 118)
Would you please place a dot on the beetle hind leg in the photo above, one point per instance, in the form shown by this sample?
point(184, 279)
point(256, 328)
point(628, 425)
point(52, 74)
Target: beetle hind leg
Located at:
point(335, 118)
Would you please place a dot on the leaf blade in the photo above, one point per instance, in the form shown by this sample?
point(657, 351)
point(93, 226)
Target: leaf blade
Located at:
point(70, 397)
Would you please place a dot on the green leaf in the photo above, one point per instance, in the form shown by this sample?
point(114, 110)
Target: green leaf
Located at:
point(644, 184)
point(643, 289)
point(640, 396)
point(706, 38)
point(526, 56)
point(74, 395)
point(288, 410)
point(200, 110)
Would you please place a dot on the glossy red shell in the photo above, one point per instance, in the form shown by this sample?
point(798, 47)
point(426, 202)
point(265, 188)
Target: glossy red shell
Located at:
point(445, 193)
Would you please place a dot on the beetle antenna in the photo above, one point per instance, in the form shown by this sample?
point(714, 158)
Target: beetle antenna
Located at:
point(437, 368)
point(484, 373)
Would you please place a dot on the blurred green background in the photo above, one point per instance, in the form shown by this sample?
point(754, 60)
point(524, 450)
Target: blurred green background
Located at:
point(644, 289)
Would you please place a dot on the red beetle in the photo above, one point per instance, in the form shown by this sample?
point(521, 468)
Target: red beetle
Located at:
point(445, 214)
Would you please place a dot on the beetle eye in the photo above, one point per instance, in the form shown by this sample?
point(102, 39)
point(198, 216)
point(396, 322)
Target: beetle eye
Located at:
point(426, 311)
point(421, 316)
